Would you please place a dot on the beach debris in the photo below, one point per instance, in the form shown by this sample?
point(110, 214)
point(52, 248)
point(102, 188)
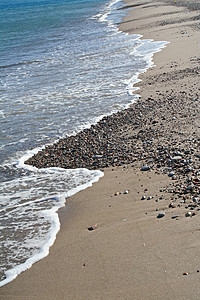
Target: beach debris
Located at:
point(160, 215)
point(145, 168)
point(92, 227)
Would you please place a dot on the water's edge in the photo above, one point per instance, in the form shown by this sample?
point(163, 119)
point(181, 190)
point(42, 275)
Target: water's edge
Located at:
point(54, 212)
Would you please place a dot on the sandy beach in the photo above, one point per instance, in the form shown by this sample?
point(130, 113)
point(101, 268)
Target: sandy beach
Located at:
point(135, 233)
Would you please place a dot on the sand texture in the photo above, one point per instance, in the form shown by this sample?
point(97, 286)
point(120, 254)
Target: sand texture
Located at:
point(144, 222)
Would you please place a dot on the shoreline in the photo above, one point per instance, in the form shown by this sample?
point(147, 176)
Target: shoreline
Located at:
point(132, 252)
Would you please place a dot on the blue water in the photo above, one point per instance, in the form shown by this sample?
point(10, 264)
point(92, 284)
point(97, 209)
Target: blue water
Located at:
point(63, 65)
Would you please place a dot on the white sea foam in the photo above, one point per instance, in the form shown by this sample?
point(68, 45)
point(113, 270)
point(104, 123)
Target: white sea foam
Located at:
point(2, 114)
point(145, 49)
point(33, 201)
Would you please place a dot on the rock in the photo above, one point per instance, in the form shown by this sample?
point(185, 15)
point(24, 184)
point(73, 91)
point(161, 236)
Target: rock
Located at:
point(175, 216)
point(116, 194)
point(126, 192)
point(161, 215)
point(178, 154)
point(171, 174)
point(190, 187)
point(98, 156)
point(92, 227)
point(188, 214)
point(196, 181)
point(143, 198)
point(172, 205)
point(189, 169)
point(145, 168)
point(185, 273)
point(176, 158)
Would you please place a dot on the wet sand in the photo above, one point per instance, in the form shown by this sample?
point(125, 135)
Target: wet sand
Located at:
point(144, 222)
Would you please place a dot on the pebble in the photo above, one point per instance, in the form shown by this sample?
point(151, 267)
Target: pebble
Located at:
point(188, 214)
point(92, 227)
point(161, 215)
point(172, 205)
point(176, 158)
point(126, 192)
point(171, 174)
point(145, 168)
point(143, 198)
point(98, 156)
point(175, 216)
point(190, 187)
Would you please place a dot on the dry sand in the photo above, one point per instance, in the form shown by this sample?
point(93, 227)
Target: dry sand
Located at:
point(132, 254)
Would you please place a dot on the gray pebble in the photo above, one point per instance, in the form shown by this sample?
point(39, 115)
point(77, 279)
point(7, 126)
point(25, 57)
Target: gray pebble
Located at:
point(161, 215)
point(145, 168)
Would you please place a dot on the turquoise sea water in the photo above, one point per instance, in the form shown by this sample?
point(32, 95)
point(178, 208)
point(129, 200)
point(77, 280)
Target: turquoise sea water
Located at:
point(63, 65)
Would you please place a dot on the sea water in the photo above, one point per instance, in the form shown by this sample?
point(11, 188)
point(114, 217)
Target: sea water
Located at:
point(63, 65)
